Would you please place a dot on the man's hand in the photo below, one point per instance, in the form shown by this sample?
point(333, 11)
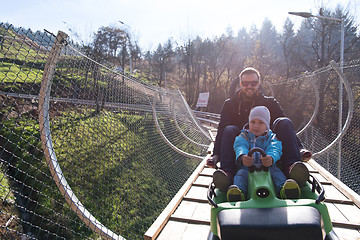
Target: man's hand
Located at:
point(212, 161)
point(305, 155)
point(247, 161)
point(267, 161)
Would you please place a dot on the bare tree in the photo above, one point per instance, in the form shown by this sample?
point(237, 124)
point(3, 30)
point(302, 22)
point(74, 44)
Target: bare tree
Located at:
point(161, 62)
point(287, 41)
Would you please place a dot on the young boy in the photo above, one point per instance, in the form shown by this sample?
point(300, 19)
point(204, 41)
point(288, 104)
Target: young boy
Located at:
point(259, 135)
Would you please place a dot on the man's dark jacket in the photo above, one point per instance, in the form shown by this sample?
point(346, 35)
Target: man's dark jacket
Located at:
point(236, 112)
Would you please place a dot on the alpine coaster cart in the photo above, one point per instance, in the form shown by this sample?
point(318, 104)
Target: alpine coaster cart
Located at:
point(263, 215)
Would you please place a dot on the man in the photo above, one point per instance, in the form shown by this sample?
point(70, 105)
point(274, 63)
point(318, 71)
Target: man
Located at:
point(234, 115)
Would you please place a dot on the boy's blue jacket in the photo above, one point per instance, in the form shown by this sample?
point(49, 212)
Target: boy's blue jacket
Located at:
point(246, 140)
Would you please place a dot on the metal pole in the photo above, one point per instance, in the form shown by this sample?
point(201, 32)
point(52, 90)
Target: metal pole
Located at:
point(128, 37)
point(308, 15)
point(341, 94)
point(130, 57)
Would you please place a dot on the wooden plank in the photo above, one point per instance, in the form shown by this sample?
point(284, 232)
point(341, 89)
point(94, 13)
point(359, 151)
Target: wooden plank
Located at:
point(203, 211)
point(311, 168)
point(207, 171)
point(197, 193)
point(325, 183)
point(212, 134)
point(319, 177)
point(173, 230)
point(335, 213)
point(189, 209)
point(160, 222)
point(196, 231)
point(198, 200)
point(344, 228)
point(346, 224)
point(347, 233)
point(189, 220)
point(201, 185)
point(348, 202)
point(185, 209)
point(206, 174)
point(333, 193)
point(203, 180)
point(351, 212)
point(349, 193)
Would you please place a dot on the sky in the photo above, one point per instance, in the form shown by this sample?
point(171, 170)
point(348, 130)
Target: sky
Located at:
point(155, 21)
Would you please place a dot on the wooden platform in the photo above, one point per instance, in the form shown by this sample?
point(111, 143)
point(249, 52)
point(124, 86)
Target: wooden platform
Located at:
point(187, 217)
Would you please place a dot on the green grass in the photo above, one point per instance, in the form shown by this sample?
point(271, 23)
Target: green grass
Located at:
point(21, 63)
point(25, 165)
point(114, 163)
point(5, 192)
point(16, 48)
point(10, 73)
point(117, 165)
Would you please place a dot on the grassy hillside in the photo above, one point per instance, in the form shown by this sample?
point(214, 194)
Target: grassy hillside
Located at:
point(115, 162)
point(99, 155)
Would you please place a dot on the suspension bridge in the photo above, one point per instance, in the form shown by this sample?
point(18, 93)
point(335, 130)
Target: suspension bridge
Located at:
point(89, 152)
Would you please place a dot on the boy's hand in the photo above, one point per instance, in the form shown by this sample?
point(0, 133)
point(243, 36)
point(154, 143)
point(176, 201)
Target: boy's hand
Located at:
point(267, 161)
point(247, 161)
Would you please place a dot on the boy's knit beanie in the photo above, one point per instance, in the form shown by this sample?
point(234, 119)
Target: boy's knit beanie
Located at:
point(262, 113)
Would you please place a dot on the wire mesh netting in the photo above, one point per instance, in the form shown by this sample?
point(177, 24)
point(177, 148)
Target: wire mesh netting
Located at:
point(118, 149)
point(314, 103)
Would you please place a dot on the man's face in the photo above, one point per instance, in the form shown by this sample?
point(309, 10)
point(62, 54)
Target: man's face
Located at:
point(249, 84)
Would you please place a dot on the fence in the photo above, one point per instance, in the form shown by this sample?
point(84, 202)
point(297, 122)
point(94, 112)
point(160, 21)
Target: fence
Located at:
point(314, 102)
point(86, 148)
point(87, 151)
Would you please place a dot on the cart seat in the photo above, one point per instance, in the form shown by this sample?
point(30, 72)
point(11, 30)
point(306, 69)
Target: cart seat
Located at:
point(297, 222)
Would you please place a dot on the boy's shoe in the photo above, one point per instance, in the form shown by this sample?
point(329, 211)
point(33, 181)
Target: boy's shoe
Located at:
point(290, 190)
point(305, 155)
point(222, 180)
point(234, 194)
point(299, 172)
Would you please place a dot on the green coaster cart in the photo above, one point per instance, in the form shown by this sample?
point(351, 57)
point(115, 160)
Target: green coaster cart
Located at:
point(265, 216)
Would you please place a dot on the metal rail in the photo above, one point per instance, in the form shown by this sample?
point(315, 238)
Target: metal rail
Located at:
point(182, 133)
point(49, 152)
point(167, 140)
point(194, 119)
point(316, 110)
point(350, 112)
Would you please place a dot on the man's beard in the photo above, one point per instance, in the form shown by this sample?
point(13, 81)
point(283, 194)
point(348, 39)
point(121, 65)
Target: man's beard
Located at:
point(249, 94)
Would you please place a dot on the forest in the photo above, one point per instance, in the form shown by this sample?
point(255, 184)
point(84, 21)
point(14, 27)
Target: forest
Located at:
point(198, 65)
point(209, 65)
